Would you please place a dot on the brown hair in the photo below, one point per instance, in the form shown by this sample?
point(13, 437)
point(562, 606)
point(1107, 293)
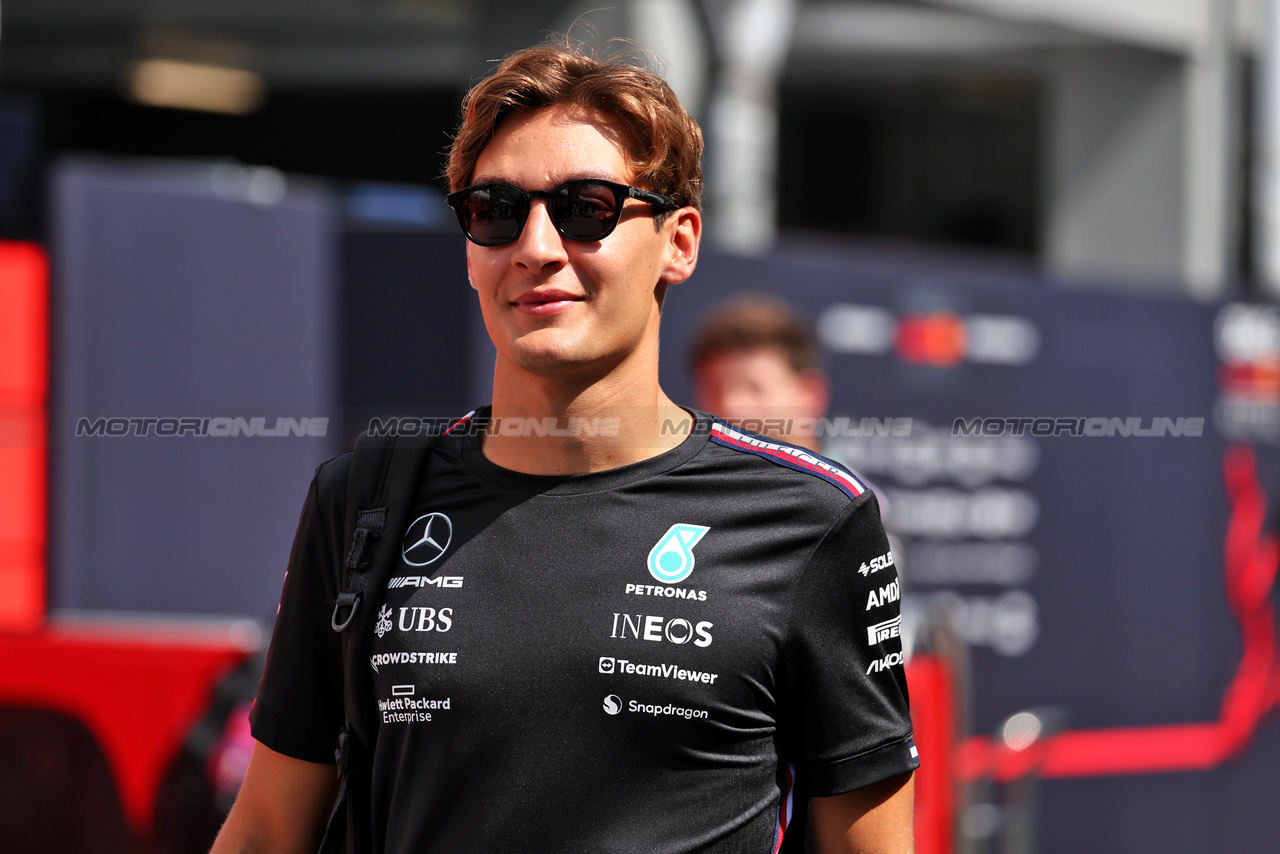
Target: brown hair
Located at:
point(661, 141)
point(755, 320)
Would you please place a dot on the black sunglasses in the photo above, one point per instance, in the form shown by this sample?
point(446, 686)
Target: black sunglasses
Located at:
point(585, 209)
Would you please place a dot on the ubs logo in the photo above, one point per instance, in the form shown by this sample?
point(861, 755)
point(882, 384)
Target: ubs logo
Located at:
point(426, 539)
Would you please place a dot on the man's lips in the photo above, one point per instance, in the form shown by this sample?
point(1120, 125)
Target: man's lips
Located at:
point(545, 302)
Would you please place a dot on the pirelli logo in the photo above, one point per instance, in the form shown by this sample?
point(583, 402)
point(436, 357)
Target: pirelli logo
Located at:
point(881, 632)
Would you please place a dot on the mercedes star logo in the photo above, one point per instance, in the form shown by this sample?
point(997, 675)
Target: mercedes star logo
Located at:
point(427, 539)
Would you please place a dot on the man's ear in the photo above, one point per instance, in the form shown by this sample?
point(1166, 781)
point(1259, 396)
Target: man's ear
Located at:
point(685, 234)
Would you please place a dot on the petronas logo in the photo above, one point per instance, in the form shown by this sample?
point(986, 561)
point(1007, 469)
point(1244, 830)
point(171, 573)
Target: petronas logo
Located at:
point(671, 559)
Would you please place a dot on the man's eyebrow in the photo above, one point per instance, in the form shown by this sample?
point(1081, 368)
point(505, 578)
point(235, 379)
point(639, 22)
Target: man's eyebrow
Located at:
point(490, 179)
point(555, 182)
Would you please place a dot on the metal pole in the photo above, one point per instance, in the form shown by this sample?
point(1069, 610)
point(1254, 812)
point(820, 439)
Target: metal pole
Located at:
point(1266, 211)
point(672, 30)
point(753, 37)
point(1210, 171)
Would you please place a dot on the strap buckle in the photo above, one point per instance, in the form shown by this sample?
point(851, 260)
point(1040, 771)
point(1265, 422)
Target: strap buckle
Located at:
point(345, 600)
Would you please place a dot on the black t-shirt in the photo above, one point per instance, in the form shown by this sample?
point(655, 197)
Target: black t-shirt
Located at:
point(644, 659)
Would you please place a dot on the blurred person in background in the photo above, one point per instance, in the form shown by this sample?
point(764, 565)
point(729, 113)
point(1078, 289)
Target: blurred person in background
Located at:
point(580, 686)
point(756, 365)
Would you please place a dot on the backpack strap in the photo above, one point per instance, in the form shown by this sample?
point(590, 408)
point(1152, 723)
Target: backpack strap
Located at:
point(382, 483)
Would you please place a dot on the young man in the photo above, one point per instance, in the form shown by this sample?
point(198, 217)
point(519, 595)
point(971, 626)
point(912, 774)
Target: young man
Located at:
point(652, 625)
point(755, 364)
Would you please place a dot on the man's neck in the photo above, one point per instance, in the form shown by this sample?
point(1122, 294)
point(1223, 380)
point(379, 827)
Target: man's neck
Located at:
point(558, 427)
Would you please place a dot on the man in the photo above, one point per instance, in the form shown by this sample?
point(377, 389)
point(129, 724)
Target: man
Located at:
point(755, 364)
point(628, 633)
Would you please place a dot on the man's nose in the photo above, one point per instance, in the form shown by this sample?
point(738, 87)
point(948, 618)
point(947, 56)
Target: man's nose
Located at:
point(539, 244)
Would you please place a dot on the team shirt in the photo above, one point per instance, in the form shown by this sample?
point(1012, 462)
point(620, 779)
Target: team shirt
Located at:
point(646, 659)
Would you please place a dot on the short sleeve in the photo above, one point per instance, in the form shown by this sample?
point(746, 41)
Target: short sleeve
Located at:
point(298, 709)
point(847, 722)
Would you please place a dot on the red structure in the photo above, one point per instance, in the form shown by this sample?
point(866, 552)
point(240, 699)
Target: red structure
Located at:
point(136, 688)
point(24, 392)
point(1251, 557)
point(932, 681)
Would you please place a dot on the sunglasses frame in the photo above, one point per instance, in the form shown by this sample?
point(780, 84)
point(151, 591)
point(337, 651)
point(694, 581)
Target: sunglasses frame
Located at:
point(621, 192)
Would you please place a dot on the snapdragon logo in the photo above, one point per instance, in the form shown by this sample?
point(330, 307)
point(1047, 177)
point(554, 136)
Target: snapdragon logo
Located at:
point(671, 558)
point(667, 710)
point(613, 706)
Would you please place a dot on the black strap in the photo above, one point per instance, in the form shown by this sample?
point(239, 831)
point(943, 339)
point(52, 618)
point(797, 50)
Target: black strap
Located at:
point(382, 483)
point(369, 526)
point(385, 477)
point(335, 839)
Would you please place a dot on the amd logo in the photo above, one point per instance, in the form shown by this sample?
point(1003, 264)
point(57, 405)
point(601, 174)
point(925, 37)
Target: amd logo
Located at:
point(885, 595)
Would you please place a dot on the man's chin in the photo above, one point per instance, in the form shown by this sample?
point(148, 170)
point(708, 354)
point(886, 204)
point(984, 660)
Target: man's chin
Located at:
point(551, 360)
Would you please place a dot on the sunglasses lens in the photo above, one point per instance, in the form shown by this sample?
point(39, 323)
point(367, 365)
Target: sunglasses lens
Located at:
point(493, 215)
point(585, 210)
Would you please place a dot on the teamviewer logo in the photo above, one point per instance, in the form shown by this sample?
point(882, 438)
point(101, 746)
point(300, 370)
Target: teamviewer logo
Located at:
point(606, 665)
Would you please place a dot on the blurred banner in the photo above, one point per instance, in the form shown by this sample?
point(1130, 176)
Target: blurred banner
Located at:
point(195, 376)
point(1049, 466)
point(1054, 469)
